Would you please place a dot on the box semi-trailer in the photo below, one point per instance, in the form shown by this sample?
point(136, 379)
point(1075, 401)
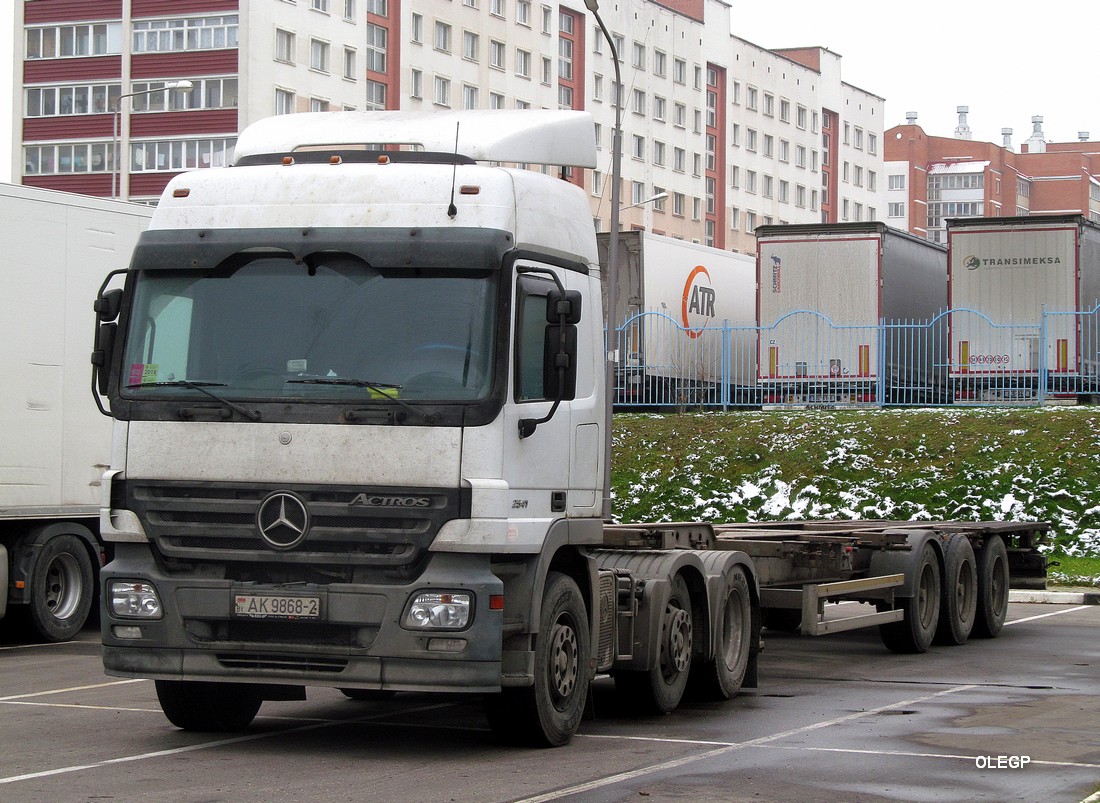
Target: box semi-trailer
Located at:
point(687, 318)
point(59, 247)
point(1023, 295)
point(360, 410)
point(823, 292)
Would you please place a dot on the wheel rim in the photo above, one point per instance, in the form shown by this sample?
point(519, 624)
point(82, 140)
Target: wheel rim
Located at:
point(676, 646)
point(732, 632)
point(62, 589)
point(926, 594)
point(998, 588)
point(966, 593)
point(564, 666)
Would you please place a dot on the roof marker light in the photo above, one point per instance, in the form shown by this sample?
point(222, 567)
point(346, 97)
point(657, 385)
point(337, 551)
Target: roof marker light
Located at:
point(181, 192)
point(469, 189)
point(383, 159)
point(335, 160)
point(288, 160)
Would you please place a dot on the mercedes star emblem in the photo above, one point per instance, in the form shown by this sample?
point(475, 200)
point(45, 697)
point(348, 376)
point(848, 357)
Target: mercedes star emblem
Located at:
point(283, 520)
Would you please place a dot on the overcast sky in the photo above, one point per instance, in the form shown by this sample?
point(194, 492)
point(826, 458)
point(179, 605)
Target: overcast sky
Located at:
point(1005, 63)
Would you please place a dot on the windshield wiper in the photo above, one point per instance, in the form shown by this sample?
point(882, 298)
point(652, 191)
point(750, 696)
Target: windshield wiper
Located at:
point(379, 388)
point(201, 387)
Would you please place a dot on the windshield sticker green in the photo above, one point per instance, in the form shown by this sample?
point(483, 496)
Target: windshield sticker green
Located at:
point(143, 373)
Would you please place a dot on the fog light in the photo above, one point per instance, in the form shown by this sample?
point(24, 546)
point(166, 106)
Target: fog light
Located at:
point(438, 611)
point(126, 631)
point(446, 644)
point(134, 600)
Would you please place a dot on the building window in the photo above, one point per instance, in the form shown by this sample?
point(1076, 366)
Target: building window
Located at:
point(469, 97)
point(349, 64)
point(284, 46)
point(660, 61)
point(417, 26)
point(750, 139)
point(376, 47)
point(679, 114)
point(637, 192)
point(496, 8)
point(168, 155)
point(284, 101)
point(319, 5)
point(658, 108)
point(318, 105)
point(547, 20)
point(637, 59)
point(565, 97)
point(658, 152)
point(470, 45)
point(872, 143)
point(209, 93)
point(872, 181)
point(565, 58)
point(442, 96)
point(769, 104)
point(750, 97)
point(318, 55)
point(638, 147)
point(679, 71)
point(896, 182)
point(80, 157)
point(50, 101)
point(800, 117)
point(63, 41)
point(800, 196)
point(496, 54)
point(416, 88)
point(857, 138)
point(766, 187)
point(197, 33)
point(349, 9)
point(784, 110)
point(679, 159)
point(442, 37)
point(523, 63)
point(597, 87)
point(523, 12)
point(895, 210)
point(769, 144)
point(678, 204)
point(750, 181)
point(547, 71)
point(638, 96)
point(496, 100)
point(784, 192)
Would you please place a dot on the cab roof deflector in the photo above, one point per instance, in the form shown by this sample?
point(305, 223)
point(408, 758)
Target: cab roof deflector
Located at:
point(525, 136)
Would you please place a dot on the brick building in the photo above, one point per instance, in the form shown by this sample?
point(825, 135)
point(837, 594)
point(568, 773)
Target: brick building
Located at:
point(931, 179)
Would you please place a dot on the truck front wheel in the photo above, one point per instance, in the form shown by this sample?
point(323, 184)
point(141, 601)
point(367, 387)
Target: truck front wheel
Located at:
point(208, 707)
point(548, 713)
point(62, 586)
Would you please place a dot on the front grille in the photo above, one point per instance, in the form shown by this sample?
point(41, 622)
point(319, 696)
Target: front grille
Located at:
point(200, 522)
point(286, 663)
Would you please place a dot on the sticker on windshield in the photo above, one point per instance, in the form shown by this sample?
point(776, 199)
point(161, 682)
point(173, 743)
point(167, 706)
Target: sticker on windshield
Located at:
point(143, 373)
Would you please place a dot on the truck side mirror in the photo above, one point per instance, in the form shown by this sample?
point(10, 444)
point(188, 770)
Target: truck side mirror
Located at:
point(565, 303)
point(107, 305)
point(559, 364)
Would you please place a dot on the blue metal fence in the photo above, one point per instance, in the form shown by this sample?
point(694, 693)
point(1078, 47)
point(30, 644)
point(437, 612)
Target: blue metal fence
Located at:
point(960, 356)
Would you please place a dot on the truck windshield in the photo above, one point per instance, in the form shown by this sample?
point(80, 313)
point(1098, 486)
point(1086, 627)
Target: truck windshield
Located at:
point(329, 327)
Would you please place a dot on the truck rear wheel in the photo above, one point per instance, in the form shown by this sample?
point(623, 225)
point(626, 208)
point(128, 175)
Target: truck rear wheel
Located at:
point(660, 689)
point(959, 605)
point(209, 707)
point(62, 587)
point(992, 588)
point(548, 713)
point(914, 633)
point(721, 678)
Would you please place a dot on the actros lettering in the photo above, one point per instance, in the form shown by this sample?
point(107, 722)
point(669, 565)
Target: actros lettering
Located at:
point(374, 500)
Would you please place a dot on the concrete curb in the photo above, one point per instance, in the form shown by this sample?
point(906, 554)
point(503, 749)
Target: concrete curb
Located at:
point(1058, 597)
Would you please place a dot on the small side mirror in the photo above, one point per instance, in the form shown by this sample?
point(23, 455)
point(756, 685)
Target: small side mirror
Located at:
point(559, 364)
point(108, 304)
point(563, 302)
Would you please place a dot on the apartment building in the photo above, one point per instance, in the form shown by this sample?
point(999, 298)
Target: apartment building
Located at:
point(931, 179)
point(718, 134)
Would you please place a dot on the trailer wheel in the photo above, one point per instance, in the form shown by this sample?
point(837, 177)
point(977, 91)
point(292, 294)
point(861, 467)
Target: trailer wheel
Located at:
point(721, 678)
point(914, 633)
point(959, 606)
point(62, 588)
point(209, 707)
point(660, 689)
point(992, 588)
point(548, 713)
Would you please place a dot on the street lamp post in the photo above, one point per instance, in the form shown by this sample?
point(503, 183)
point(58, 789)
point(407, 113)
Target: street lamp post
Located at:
point(117, 112)
point(612, 273)
point(658, 197)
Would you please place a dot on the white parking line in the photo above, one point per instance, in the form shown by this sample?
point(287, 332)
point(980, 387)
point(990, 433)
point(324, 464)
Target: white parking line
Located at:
point(71, 688)
point(205, 745)
point(760, 741)
point(1052, 613)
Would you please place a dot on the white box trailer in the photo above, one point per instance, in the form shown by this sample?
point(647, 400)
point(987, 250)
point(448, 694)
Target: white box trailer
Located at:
point(58, 247)
point(1023, 294)
point(823, 293)
point(688, 320)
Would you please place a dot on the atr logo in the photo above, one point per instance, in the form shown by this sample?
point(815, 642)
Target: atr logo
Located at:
point(777, 274)
point(374, 500)
point(698, 300)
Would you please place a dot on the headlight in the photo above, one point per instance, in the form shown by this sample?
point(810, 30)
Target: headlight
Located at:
point(134, 600)
point(438, 611)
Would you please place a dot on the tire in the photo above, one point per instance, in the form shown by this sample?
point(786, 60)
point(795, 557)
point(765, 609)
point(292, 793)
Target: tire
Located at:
point(993, 582)
point(208, 707)
point(548, 713)
point(783, 620)
point(62, 588)
point(959, 605)
point(721, 677)
point(369, 694)
point(915, 632)
point(660, 689)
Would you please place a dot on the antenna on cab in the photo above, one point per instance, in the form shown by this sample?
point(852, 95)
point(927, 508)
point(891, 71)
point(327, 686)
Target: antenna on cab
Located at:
point(452, 210)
